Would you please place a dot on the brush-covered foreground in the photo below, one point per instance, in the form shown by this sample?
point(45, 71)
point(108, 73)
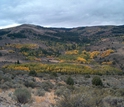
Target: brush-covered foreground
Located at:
point(31, 89)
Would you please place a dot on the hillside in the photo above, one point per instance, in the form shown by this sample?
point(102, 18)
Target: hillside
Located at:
point(59, 67)
point(93, 47)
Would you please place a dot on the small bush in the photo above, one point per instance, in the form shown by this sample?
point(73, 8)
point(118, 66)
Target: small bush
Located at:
point(46, 85)
point(62, 90)
point(1, 72)
point(87, 76)
point(54, 74)
point(40, 92)
point(4, 86)
point(30, 84)
point(70, 81)
point(22, 95)
point(74, 100)
point(97, 81)
point(32, 73)
point(58, 92)
point(111, 101)
point(0, 54)
point(1, 77)
point(18, 62)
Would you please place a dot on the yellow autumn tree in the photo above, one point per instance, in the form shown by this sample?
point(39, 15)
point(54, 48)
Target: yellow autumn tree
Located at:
point(81, 60)
point(94, 54)
point(107, 53)
point(73, 52)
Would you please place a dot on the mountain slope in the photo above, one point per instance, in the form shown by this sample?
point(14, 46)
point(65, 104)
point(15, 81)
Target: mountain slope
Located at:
point(83, 45)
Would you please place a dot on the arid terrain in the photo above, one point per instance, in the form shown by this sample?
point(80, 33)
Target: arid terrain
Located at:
point(52, 89)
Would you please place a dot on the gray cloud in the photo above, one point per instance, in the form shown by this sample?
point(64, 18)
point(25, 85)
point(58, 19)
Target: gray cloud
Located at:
point(62, 13)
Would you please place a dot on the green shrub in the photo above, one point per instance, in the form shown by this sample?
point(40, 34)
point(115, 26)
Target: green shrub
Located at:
point(62, 90)
point(97, 81)
point(22, 95)
point(4, 86)
point(40, 92)
point(74, 100)
point(33, 73)
point(0, 54)
point(30, 84)
point(54, 74)
point(46, 85)
point(70, 81)
point(87, 76)
point(18, 62)
point(58, 92)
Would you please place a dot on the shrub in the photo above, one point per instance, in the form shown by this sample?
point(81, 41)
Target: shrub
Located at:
point(97, 81)
point(62, 90)
point(70, 81)
point(111, 101)
point(6, 78)
point(40, 92)
point(1, 75)
point(4, 86)
point(30, 84)
point(0, 54)
point(22, 95)
point(46, 85)
point(74, 100)
point(33, 73)
point(58, 92)
point(18, 62)
point(54, 74)
point(87, 76)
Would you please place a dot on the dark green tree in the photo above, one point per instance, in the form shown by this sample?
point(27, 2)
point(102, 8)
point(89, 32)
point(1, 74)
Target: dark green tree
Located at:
point(18, 62)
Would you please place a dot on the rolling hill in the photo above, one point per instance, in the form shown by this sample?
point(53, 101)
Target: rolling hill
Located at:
point(95, 47)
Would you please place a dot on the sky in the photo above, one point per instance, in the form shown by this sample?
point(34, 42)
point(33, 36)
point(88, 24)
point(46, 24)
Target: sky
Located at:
point(61, 13)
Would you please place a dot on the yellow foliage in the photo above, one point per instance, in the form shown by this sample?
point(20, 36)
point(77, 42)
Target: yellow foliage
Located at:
point(107, 53)
point(21, 68)
point(64, 68)
point(82, 60)
point(94, 54)
point(11, 51)
point(73, 52)
point(25, 53)
point(62, 61)
point(107, 63)
point(32, 58)
point(38, 59)
point(31, 46)
point(84, 51)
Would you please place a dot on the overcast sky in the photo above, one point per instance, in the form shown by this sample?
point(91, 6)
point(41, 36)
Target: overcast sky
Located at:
point(61, 13)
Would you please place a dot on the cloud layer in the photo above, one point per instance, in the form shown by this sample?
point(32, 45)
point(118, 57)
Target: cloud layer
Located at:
point(61, 13)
